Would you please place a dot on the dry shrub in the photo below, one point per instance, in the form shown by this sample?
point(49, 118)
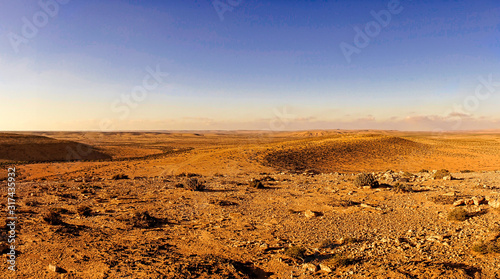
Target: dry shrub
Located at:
point(403, 188)
point(120, 176)
point(487, 247)
point(84, 211)
point(458, 214)
point(194, 184)
point(144, 221)
point(59, 210)
point(52, 218)
point(328, 243)
point(338, 260)
point(365, 179)
point(255, 183)
point(349, 240)
point(440, 174)
point(296, 252)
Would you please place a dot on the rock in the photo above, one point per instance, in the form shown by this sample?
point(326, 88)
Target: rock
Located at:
point(494, 202)
point(311, 267)
point(325, 268)
point(459, 203)
point(448, 177)
point(478, 200)
point(54, 268)
point(310, 214)
point(450, 194)
point(469, 202)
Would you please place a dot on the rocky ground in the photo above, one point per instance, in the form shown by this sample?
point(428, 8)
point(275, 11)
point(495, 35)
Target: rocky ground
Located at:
point(290, 225)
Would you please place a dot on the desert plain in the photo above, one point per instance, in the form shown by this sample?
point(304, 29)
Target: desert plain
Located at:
point(253, 204)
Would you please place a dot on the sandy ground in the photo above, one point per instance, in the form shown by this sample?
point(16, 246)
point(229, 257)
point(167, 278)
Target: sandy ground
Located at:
point(310, 219)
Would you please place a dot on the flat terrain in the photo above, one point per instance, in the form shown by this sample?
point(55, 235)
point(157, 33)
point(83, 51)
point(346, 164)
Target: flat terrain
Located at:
point(118, 205)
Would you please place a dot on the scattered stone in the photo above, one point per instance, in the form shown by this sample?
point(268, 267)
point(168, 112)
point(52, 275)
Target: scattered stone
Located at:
point(325, 268)
point(54, 268)
point(478, 200)
point(310, 214)
point(459, 203)
point(311, 267)
point(494, 202)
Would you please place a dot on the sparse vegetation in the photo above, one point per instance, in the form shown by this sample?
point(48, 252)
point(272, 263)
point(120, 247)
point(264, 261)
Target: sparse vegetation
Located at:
point(184, 174)
point(365, 179)
point(442, 199)
point(349, 240)
point(296, 252)
point(52, 218)
point(487, 247)
point(144, 221)
point(255, 183)
point(193, 184)
point(458, 214)
point(120, 176)
point(353, 232)
point(406, 174)
point(403, 187)
point(84, 211)
point(32, 203)
point(59, 210)
point(328, 243)
point(338, 260)
point(440, 174)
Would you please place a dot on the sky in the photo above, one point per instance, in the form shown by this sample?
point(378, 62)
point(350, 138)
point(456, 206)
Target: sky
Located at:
point(249, 65)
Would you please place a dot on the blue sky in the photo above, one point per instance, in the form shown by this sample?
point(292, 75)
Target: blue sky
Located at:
point(264, 62)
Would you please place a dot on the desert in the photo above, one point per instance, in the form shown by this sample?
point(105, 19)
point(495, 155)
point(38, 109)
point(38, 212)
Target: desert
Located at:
point(250, 204)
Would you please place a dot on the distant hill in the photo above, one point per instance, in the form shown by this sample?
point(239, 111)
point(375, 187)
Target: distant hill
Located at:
point(345, 154)
point(17, 147)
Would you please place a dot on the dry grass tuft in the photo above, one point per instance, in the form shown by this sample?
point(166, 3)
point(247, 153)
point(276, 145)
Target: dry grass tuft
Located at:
point(255, 183)
point(120, 176)
point(296, 252)
point(338, 261)
point(194, 184)
point(487, 247)
point(52, 218)
point(403, 188)
point(365, 179)
point(458, 214)
point(144, 221)
point(84, 211)
point(440, 174)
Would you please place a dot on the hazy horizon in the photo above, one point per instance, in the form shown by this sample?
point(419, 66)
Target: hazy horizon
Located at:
point(241, 65)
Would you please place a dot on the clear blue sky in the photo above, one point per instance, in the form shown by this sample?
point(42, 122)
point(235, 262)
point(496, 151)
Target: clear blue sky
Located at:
point(260, 65)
